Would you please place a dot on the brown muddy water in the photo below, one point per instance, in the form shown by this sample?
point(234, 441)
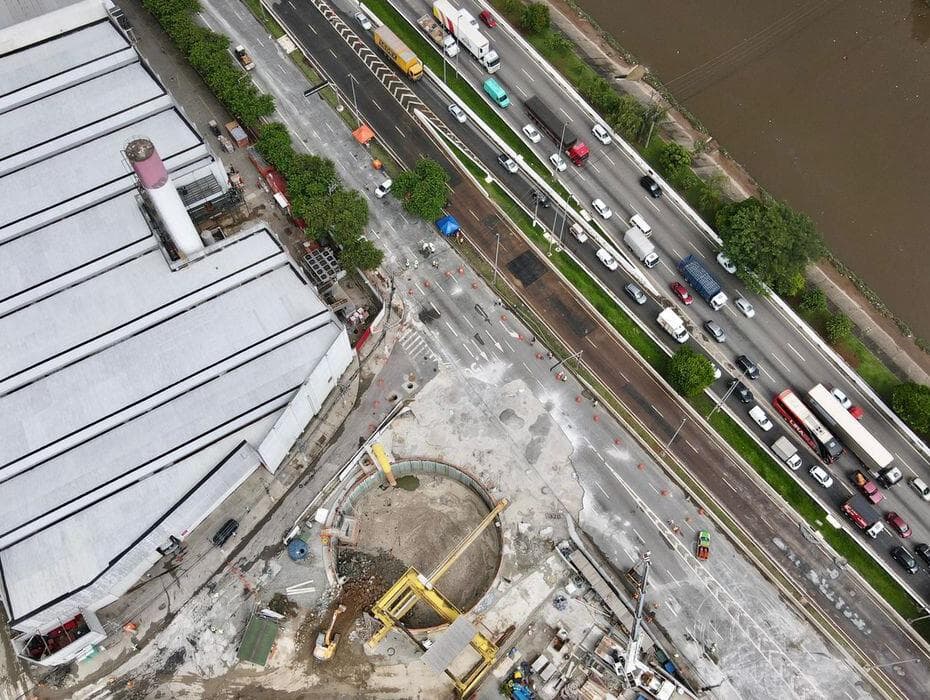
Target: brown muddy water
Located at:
point(826, 103)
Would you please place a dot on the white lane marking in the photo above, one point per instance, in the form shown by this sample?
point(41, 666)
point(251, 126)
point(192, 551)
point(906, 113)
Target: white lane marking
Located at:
point(677, 254)
point(449, 326)
point(465, 318)
point(334, 54)
point(665, 265)
point(440, 286)
point(625, 378)
point(609, 159)
point(906, 465)
point(470, 211)
point(638, 536)
point(893, 652)
point(470, 353)
point(291, 4)
point(507, 343)
point(778, 359)
point(602, 490)
point(399, 131)
point(766, 373)
point(311, 28)
point(596, 169)
point(653, 487)
point(656, 410)
point(390, 226)
point(261, 43)
point(583, 176)
point(588, 338)
point(524, 92)
point(372, 100)
point(281, 68)
point(691, 446)
point(800, 356)
point(732, 488)
point(567, 115)
point(651, 203)
point(532, 79)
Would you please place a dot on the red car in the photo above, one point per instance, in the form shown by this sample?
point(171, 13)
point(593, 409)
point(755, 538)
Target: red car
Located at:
point(897, 522)
point(682, 292)
point(488, 19)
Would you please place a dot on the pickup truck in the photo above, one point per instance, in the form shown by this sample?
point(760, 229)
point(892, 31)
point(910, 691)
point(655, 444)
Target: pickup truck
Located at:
point(445, 41)
point(245, 60)
point(863, 515)
point(868, 487)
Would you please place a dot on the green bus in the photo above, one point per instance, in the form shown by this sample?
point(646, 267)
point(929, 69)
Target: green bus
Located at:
point(496, 92)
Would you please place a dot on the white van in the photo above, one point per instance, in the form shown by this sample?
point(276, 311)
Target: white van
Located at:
point(639, 222)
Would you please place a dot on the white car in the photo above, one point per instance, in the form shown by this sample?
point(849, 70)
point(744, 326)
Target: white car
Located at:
point(508, 163)
point(363, 20)
point(532, 133)
point(578, 233)
point(602, 209)
point(920, 486)
point(744, 306)
point(607, 259)
point(726, 263)
point(639, 222)
point(717, 372)
point(821, 476)
point(758, 415)
point(601, 134)
point(382, 189)
point(841, 397)
point(557, 162)
point(457, 112)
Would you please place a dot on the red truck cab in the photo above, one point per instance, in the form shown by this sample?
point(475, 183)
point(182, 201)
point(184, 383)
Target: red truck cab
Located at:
point(868, 487)
point(578, 153)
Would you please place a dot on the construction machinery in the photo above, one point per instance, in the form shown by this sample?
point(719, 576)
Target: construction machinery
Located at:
point(414, 587)
point(326, 641)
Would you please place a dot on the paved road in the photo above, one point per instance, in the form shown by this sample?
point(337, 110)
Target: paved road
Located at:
point(625, 375)
point(786, 357)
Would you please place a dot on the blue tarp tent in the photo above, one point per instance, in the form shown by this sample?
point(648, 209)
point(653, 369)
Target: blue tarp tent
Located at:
point(447, 226)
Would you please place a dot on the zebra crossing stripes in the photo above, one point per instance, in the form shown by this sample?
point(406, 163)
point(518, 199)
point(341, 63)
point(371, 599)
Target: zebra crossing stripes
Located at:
point(415, 345)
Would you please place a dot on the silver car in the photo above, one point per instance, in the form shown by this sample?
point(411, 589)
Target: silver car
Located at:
point(635, 293)
point(715, 330)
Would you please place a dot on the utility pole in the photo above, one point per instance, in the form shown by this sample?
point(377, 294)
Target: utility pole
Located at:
point(497, 249)
point(354, 102)
point(675, 434)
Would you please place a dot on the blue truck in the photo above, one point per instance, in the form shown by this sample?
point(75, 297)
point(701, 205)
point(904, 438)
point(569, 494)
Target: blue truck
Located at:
point(704, 283)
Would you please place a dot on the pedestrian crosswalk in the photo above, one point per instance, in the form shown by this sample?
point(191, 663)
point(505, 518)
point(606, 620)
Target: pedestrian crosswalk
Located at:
point(415, 345)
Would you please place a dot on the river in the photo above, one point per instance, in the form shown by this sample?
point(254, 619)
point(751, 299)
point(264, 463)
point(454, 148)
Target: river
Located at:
point(826, 103)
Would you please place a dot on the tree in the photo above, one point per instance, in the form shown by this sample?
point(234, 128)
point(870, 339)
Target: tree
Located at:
point(340, 215)
point(360, 253)
point(310, 175)
point(768, 242)
point(813, 300)
point(838, 327)
point(423, 190)
point(535, 18)
point(689, 372)
point(673, 158)
point(911, 402)
point(274, 145)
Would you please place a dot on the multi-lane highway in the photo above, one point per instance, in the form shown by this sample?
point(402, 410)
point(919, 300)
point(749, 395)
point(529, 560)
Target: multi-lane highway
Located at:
point(786, 357)
point(755, 509)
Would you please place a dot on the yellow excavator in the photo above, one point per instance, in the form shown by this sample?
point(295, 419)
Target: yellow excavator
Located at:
point(326, 641)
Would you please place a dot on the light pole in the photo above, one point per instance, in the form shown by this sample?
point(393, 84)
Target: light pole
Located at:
point(725, 396)
point(497, 249)
point(675, 434)
point(920, 617)
point(354, 102)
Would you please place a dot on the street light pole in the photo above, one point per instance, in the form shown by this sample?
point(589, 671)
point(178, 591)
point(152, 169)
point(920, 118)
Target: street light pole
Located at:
point(354, 102)
point(920, 617)
point(675, 434)
point(497, 249)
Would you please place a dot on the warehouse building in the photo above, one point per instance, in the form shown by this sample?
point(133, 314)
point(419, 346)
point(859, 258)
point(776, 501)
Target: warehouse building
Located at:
point(146, 369)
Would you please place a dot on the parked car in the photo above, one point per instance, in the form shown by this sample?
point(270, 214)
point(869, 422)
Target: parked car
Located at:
point(578, 232)
point(757, 413)
point(747, 366)
point(601, 134)
point(898, 523)
point(607, 259)
point(741, 391)
point(821, 476)
point(920, 486)
point(363, 20)
point(557, 162)
point(602, 209)
point(532, 133)
point(681, 291)
point(635, 293)
point(726, 263)
point(487, 19)
point(228, 529)
point(457, 112)
point(717, 372)
point(715, 330)
point(904, 558)
point(745, 307)
point(923, 551)
point(651, 186)
point(382, 189)
point(508, 163)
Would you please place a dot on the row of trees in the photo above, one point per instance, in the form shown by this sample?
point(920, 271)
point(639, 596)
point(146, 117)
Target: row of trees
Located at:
point(424, 191)
point(331, 212)
point(208, 53)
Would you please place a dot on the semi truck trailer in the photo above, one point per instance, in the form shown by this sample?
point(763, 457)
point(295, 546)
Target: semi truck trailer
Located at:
point(557, 129)
point(464, 27)
point(704, 283)
point(863, 515)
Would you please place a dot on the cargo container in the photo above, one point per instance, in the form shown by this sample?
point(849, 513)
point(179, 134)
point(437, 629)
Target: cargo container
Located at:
point(704, 283)
point(399, 52)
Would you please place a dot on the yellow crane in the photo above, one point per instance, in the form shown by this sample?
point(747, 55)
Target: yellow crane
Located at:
point(413, 587)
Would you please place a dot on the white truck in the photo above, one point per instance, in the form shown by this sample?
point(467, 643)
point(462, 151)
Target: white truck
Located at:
point(464, 27)
point(787, 452)
point(245, 60)
point(641, 247)
point(673, 324)
point(445, 41)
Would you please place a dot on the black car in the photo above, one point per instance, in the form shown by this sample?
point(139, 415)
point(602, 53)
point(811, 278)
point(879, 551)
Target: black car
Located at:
point(904, 558)
point(741, 391)
point(651, 186)
point(748, 367)
point(923, 551)
point(540, 197)
point(224, 533)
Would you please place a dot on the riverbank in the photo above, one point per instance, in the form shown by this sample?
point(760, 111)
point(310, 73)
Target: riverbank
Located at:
point(880, 332)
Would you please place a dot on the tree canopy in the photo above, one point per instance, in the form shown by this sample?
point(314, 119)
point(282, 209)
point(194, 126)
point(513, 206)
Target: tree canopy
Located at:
point(769, 243)
point(689, 372)
point(911, 402)
point(423, 190)
point(535, 18)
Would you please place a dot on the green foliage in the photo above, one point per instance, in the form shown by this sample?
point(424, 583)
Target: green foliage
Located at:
point(813, 300)
point(208, 54)
point(673, 158)
point(423, 190)
point(768, 242)
point(911, 402)
point(838, 327)
point(689, 372)
point(511, 8)
point(535, 18)
point(360, 253)
point(557, 43)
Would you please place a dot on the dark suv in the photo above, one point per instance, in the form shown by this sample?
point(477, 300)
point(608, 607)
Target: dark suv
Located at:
point(923, 551)
point(741, 391)
point(224, 533)
point(904, 558)
point(651, 186)
point(749, 368)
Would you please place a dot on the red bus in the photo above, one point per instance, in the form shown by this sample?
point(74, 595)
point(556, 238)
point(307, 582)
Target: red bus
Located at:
point(807, 426)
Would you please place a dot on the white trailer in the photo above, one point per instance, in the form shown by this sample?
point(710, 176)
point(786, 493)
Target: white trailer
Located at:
point(641, 247)
point(673, 324)
point(464, 27)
